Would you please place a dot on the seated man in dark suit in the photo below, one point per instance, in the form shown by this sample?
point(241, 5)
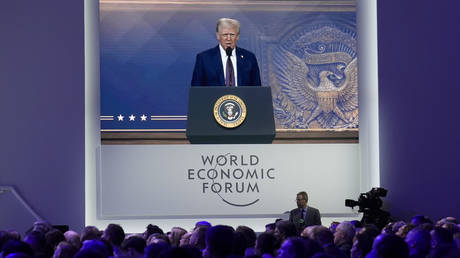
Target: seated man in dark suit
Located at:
point(226, 64)
point(304, 216)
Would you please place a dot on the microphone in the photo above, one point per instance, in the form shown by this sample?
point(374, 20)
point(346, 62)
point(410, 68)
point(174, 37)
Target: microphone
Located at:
point(229, 50)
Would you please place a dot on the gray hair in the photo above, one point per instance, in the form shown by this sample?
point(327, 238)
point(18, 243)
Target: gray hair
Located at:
point(347, 229)
point(227, 22)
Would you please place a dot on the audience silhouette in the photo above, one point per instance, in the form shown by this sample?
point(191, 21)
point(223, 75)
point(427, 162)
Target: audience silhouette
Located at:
point(419, 237)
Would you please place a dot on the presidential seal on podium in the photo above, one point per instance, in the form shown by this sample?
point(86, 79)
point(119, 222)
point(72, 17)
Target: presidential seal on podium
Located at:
point(229, 111)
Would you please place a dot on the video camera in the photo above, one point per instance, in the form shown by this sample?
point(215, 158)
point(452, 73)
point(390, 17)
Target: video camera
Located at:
point(369, 200)
point(369, 203)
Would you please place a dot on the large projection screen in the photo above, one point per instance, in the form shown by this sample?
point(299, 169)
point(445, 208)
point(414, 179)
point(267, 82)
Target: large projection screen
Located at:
point(307, 53)
point(329, 172)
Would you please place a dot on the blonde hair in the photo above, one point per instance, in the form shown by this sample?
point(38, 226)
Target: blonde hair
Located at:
point(227, 22)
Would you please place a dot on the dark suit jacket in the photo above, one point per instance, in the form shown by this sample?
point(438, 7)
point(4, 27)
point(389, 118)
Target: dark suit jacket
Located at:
point(313, 218)
point(208, 69)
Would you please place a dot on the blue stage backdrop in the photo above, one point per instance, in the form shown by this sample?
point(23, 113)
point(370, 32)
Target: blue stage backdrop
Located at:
point(307, 53)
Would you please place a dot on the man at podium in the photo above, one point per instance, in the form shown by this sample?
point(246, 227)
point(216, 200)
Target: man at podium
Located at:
point(226, 64)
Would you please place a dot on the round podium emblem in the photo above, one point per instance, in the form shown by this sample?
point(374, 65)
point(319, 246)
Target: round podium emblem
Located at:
point(229, 111)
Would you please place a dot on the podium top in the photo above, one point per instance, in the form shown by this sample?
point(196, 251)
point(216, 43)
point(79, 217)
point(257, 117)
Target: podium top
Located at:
point(247, 115)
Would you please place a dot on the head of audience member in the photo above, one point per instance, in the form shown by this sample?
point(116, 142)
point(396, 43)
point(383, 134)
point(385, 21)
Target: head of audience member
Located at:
point(419, 242)
point(362, 244)
point(175, 235)
point(198, 237)
point(440, 237)
point(133, 246)
point(292, 247)
point(185, 239)
point(388, 228)
point(14, 234)
point(151, 229)
point(333, 226)
point(307, 232)
point(389, 246)
point(14, 246)
point(446, 219)
point(402, 231)
point(65, 250)
point(296, 247)
point(270, 228)
point(451, 227)
point(266, 244)
point(249, 235)
point(420, 219)
point(37, 240)
point(5, 236)
point(155, 250)
point(371, 229)
point(356, 223)
point(41, 226)
point(114, 234)
point(322, 235)
point(239, 244)
point(343, 236)
point(314, 248)
point(325, 238)
point(73, 238)
point(54, 237)
point(397, 225)
point(95, 248)
point(456, 237)
point(202, 223)
point(90, 233)
point(285, 229)
point(427, 226)
point(217, 241)
point(158, 238)
point(378, 238)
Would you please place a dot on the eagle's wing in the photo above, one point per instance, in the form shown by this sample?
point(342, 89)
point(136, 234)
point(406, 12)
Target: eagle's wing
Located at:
point(291, 73)
point(348, 93)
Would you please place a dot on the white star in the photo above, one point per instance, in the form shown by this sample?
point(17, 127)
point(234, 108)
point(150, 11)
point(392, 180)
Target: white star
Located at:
point(144, 117)
point(132, 117)
point(120, 117)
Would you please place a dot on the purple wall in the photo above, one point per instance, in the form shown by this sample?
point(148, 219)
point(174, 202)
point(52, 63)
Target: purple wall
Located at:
point(418, 101)
point(42, 106)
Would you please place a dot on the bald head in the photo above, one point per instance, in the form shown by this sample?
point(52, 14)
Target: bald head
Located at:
point(73, 238)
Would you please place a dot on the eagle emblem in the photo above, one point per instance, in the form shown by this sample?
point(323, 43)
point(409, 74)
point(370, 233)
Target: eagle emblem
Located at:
point(316, 81)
